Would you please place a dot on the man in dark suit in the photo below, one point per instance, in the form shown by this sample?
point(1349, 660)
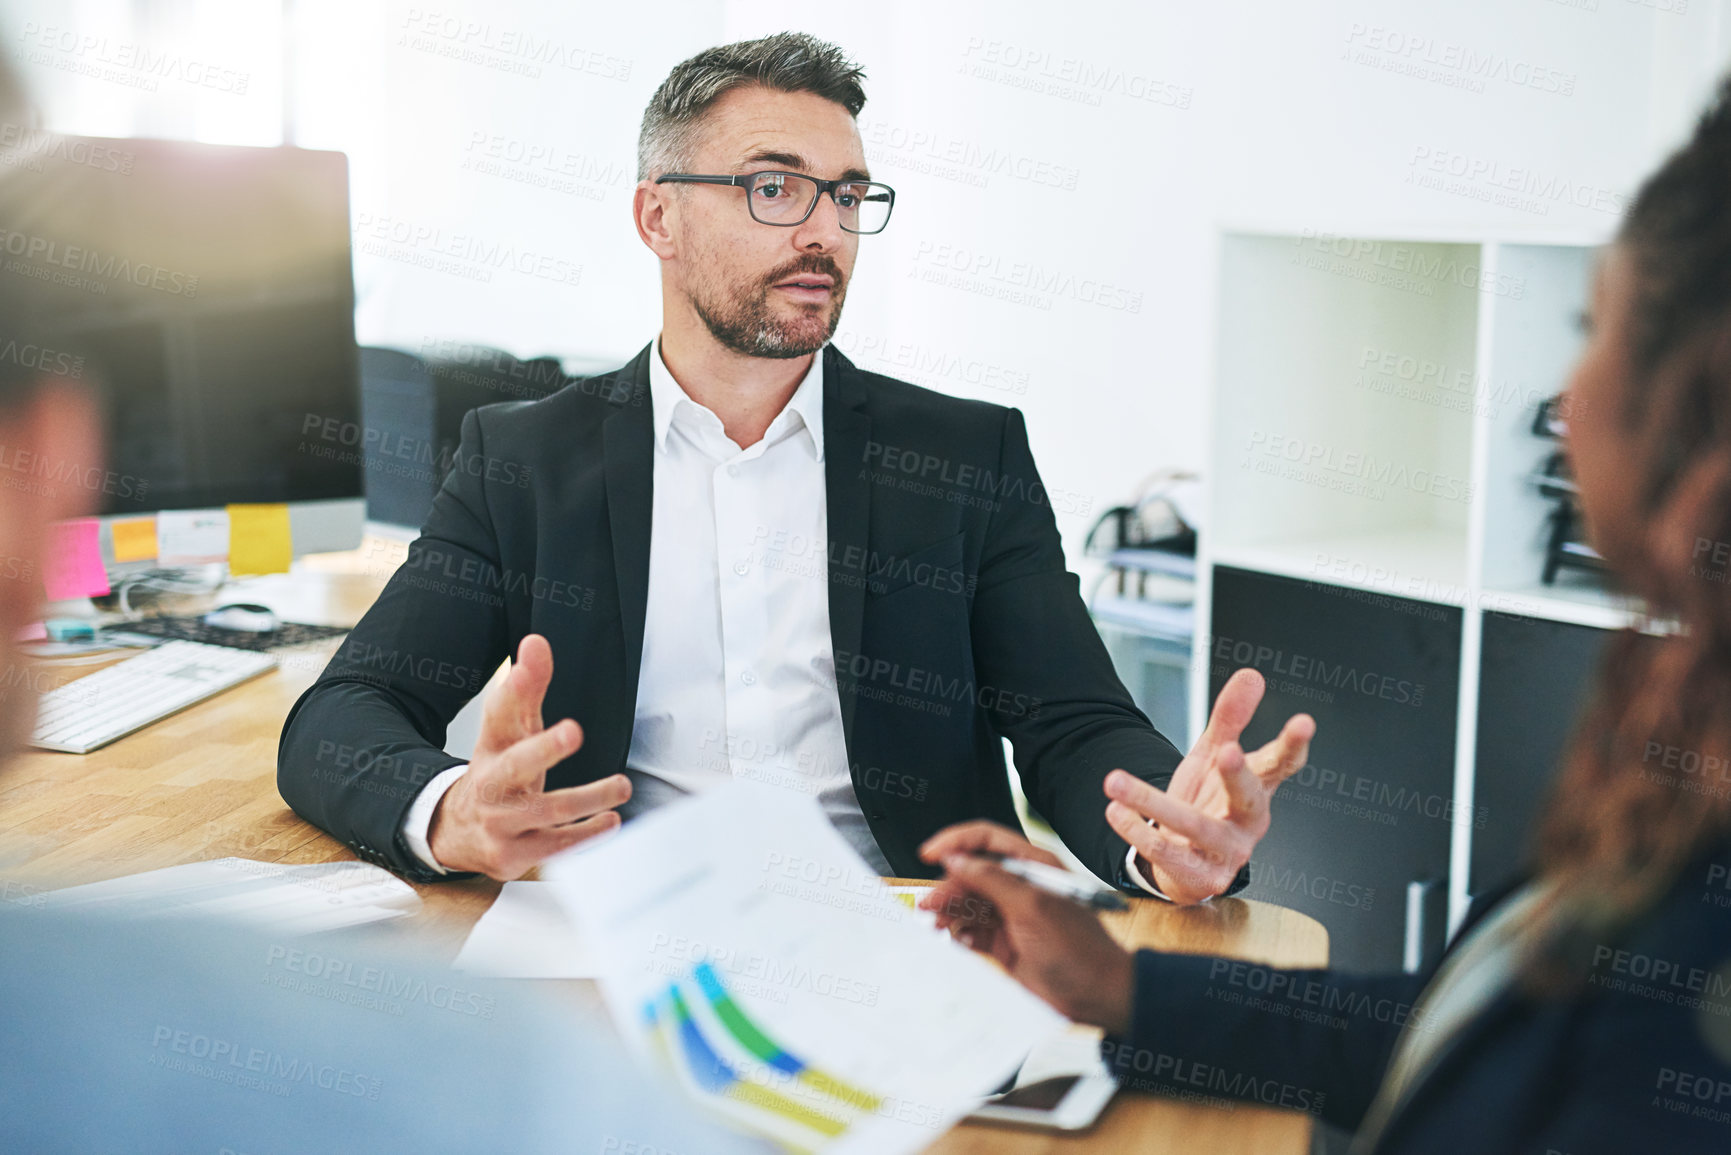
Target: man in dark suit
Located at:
point(755, 560)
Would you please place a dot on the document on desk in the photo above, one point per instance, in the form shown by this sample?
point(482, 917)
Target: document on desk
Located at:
point(290, 899)
point(526, 934)
point(745, 947)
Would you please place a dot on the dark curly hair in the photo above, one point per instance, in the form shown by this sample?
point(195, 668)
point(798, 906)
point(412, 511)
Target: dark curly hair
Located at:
point(1621, 824)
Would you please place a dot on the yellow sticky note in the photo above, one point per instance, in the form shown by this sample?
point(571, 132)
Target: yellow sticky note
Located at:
point(258, 539)
point(135, 539)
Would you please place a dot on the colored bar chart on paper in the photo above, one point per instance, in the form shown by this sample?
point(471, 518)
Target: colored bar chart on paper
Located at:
point(719, 1051)
point(747, 950)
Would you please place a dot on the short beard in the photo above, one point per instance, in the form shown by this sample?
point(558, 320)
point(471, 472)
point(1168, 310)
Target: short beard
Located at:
point(746, 325)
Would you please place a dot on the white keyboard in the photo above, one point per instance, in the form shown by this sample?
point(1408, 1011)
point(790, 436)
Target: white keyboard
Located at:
point(96, 709)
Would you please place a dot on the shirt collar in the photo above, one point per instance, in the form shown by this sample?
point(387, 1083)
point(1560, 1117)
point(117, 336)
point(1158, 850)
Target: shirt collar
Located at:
point(665, 395)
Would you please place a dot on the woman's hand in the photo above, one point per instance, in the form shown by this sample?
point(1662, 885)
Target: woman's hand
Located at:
point(1054, 947)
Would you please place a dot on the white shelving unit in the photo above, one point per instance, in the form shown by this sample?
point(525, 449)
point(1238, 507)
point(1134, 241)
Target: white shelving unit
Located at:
point(1372, 405)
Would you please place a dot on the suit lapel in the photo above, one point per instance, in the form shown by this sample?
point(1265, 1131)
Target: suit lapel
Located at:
point(1460, 1048)
point(628, 442)
point(1456, 1051)
point(846, 435)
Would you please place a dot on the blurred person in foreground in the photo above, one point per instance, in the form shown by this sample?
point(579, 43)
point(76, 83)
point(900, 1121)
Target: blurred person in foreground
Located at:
point(176, 1035)
point(1588, 1007)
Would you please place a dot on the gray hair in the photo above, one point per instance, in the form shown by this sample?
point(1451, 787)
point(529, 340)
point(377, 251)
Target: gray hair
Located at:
point(785, 62)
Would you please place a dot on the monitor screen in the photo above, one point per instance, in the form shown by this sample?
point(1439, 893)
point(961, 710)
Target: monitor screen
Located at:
point(207, 290)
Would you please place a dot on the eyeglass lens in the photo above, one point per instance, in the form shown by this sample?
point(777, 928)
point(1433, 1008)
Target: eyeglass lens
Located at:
point(785, 198)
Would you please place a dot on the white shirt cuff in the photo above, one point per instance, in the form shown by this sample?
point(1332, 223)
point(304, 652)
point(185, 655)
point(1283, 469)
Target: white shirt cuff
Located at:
point(1129, 869)
point(419, 820)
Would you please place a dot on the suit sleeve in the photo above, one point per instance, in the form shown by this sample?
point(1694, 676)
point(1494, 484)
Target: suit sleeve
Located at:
point(369, 734)
point(1033, 635)
point(1317, 1041)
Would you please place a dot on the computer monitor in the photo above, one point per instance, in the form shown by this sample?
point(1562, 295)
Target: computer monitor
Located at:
point(208, 290)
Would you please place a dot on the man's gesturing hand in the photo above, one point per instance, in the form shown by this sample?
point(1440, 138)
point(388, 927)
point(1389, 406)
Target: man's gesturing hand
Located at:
point(498, 818)
point(1216, 808)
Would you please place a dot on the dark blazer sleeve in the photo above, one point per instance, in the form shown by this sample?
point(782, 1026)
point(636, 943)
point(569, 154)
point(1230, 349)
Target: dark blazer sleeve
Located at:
point(369, 733)
point(1317, 1041)
point(1032, 635)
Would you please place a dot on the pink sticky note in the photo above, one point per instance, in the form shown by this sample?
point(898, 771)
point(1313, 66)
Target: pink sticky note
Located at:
point(73, 568)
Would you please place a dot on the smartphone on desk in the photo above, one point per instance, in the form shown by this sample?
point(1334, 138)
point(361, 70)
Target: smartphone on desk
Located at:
point(1059, 1103)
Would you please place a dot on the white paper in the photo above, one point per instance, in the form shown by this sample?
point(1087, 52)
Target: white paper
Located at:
point(910, 897)
point(191, 536)
point(743, 945)
point(526, 934)
point(302, 899)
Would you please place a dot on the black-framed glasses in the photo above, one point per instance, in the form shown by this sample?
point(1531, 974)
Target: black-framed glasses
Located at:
point(786, 199)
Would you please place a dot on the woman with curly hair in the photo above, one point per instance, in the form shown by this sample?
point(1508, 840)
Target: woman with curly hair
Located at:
point(1588, 1008)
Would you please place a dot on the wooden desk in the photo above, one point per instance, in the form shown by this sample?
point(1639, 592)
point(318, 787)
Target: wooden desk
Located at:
point(202, 785)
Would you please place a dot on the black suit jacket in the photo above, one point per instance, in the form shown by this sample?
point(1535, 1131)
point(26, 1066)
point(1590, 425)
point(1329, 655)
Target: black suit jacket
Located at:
point(1637, 1058)
point(953, 619)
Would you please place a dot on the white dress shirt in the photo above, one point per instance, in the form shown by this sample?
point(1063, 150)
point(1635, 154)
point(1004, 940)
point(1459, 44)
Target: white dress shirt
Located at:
point(1135, 875)
point(738, 674)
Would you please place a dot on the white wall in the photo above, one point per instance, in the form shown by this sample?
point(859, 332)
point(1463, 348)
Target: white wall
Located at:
point(1061, 168)
point(504, 151)
point(1256, 112)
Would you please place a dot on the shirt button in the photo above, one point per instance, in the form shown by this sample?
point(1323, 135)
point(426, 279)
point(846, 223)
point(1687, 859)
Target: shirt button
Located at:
point(748, 678)
point(741, 568)
point(733, 471)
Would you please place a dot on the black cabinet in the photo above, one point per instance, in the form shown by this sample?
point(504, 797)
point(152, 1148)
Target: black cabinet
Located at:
point(1534, 678)
point(1372, 813)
